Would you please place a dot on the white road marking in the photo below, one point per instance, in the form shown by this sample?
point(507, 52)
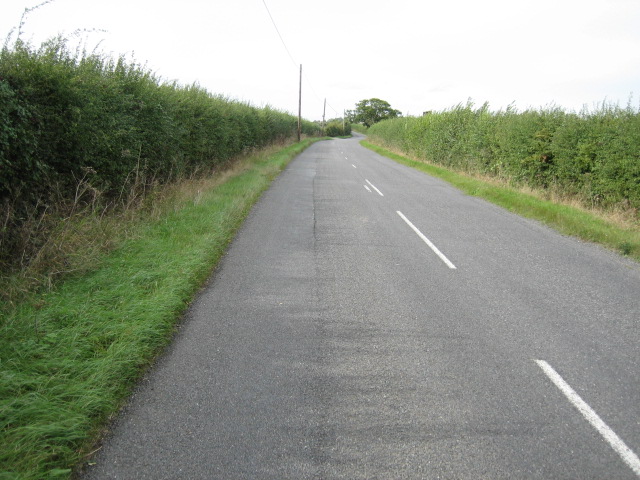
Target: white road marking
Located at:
point(374, 187)
point(629, 457)
point(368, 189)
point(427, 241)
point(353, 166)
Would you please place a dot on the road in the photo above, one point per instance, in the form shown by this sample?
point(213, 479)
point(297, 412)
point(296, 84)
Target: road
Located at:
point(372, 322)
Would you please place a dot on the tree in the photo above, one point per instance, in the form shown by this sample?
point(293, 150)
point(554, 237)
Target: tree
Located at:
point(372, 111)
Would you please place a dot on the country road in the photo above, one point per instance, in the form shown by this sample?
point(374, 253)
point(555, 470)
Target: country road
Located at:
point(372, 322)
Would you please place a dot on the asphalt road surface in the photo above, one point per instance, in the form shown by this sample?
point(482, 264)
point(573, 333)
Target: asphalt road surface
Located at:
point(371, 322)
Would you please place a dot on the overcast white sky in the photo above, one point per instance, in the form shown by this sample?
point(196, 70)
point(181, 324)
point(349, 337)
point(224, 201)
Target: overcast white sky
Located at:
point(416, 54)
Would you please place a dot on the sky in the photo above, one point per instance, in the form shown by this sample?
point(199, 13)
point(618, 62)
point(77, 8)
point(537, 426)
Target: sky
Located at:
point(418, 55)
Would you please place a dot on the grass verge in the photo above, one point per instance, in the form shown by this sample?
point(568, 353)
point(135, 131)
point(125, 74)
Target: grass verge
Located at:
point(69, 357)
point(566, 219)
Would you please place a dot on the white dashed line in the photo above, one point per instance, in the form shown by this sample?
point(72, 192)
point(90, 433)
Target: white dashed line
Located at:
point(427, 241)
point(374, 187)
point(630, 458)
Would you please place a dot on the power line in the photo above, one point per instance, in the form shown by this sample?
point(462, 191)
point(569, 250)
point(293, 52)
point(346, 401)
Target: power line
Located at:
point(334, 110)
point(306, 77)
point(291, 56)
point(281, 39)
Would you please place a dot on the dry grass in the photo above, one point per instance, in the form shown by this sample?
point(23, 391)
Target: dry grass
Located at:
point(75, 352)
point(625, 218)
point(617, 229)
point(71, 238)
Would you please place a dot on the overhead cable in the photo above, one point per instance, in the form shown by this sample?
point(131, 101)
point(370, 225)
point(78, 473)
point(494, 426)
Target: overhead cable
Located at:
point(279, 35)
point(291, 56)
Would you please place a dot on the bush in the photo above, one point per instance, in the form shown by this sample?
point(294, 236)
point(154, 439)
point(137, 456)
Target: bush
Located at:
point(337, 129)
point(68, 118)
point(594, 156)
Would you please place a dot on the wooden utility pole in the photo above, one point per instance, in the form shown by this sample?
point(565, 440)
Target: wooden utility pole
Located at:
point(324, 110)
point(300, 105)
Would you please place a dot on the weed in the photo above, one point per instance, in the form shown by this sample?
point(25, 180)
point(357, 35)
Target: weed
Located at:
point(594, 226)
point(69, 356)
point(626, 248)
point(83, 132)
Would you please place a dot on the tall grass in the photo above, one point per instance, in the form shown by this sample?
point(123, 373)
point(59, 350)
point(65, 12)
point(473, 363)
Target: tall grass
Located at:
point(592, 156)
point(357, 127)
point(593, 226)
point(119, 192)
point(68, 357)
point(82, 134)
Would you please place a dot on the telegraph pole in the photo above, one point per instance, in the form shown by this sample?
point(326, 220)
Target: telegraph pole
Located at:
point(324, 110)
point(300, 105)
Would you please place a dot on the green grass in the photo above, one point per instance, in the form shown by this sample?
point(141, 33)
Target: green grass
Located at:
point(564, 218)
point(356, 127)
point(592, 156)
point(78, 126)
point(69, 357)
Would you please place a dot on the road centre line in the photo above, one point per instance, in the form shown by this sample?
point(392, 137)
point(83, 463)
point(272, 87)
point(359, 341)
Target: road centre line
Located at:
point(353, 166)
point(427, 241)
point(374, 187)
point(629, 457)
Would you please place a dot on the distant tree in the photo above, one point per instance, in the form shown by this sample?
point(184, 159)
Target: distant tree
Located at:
point(372, 111)
point(350, 116)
